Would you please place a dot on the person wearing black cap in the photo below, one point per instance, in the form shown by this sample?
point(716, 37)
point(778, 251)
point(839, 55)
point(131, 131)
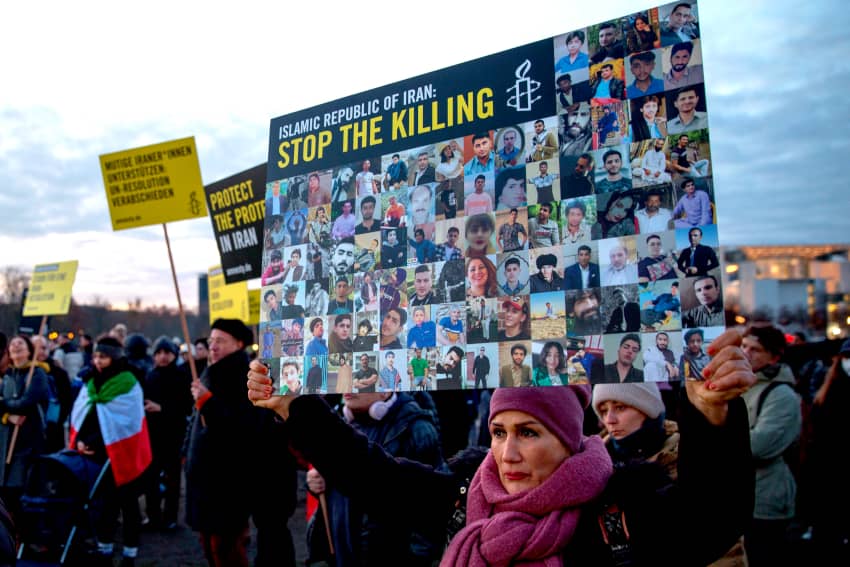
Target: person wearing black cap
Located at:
point(168, 403)
point(219, 463)
point(547, 278)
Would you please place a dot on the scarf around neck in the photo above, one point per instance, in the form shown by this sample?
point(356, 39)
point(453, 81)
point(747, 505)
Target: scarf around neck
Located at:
point(532, 527)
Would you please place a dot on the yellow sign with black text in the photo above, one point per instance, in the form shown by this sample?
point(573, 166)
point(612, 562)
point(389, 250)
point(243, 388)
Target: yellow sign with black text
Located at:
point(254, 306)
point(50, 289)
point(153, 184)
point(227, 301)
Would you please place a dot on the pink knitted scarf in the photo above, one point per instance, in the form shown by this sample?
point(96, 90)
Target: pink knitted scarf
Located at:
point(531, 527)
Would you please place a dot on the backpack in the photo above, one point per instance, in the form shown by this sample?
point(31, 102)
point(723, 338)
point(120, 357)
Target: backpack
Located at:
point(51, 414)
point(791, 454)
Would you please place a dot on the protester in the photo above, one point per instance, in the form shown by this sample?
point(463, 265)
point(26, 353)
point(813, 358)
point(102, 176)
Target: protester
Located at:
point(220, 466)
point(108, 422)
point(830, 498)
point(641, 440)
point(60, 397)
point(543, 483)
point(24, 398)
point(168, 404)
point(775, 420)
point(397, 423)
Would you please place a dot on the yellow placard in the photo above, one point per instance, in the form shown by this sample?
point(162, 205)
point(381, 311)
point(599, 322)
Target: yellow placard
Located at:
point(254, 306)
point(50, 289)
point(153, 184)
point(227, 301)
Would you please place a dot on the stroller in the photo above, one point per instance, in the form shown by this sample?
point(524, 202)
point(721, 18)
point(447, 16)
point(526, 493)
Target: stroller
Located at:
point(60, 502)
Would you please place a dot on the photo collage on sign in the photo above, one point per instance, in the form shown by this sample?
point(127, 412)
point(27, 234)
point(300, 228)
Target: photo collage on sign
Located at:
point(573, 248)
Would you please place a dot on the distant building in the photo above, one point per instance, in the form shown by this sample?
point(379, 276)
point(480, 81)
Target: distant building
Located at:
point(807, 285)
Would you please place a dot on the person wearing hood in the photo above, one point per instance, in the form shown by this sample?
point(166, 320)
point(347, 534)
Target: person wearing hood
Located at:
point(168, 404)
point(136, 350)
point(775, 423)
point(396, 422)
point(24, 399)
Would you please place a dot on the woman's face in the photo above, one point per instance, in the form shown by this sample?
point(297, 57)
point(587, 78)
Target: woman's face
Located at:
point(525, 451)
point(552, 358)
point(620, 209)
point(641, 25)
point(18, 351)
point(478, 238)
point(620, 419)
point(477, 273)
point(649, 110)
point(101, 361)
point(513, 194)
point(447, 151)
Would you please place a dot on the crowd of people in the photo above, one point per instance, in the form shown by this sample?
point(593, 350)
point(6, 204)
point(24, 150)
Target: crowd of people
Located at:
point(602, 474)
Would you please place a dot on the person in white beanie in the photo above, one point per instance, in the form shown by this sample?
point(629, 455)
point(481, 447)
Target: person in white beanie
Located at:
point(644, 448)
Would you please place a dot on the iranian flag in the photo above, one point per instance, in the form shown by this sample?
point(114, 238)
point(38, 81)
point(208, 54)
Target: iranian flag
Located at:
point(121, 414)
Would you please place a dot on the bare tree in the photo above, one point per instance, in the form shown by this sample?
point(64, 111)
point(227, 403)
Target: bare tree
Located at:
point(14, 280)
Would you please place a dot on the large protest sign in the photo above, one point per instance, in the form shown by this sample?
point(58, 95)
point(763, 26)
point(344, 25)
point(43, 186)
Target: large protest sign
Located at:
point(154, 184)
point(237, 211)
point(227, 301)
point(543, 215)
point(49, 292)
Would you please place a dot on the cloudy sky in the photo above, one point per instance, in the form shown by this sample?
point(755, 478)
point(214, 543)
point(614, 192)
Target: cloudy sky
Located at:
point(83, 79)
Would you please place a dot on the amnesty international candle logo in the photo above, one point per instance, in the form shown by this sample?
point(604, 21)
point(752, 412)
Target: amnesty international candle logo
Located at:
point(522, 93)
point(541, 216)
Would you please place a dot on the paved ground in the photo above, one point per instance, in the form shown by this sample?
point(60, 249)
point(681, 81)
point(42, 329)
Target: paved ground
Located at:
point(182, 549)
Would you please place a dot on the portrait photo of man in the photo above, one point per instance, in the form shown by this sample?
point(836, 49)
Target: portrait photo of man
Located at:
point(542, 142)
point(708, 312)
point(576, 130)
point(622, 310)
point(607, 43)
point(584, 273)
point(424, 171)
point(579, 181)
point(568, 95)
point(606, 81)
point(484, 158)
point(660, 306)
point(623, 368)
point(641, 75)
point(619, 264)
point(680, 24)
point(509, 143)
point(684, 67)
point(512, 274)
point(697, 259)
point(686, 109)
point(652, 169)
point(514, 372)
point(654, 263)
point(659, 360)
point(584, 316)
point(652, 217)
